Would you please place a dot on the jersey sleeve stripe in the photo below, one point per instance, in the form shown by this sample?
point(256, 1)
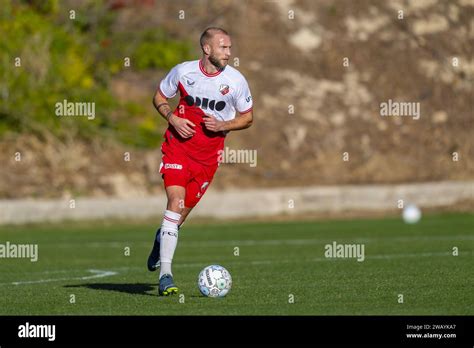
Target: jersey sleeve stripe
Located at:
point(162, 94)
point(248, 110)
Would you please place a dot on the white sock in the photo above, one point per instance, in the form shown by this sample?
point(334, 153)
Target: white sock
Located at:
point(168, 240)
point(158, 236)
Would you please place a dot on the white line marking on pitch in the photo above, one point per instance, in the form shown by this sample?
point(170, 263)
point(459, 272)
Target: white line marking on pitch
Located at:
point(96, 274)
point(320, 259)
point(101, 274)
point(390, 256)
point(251, 242)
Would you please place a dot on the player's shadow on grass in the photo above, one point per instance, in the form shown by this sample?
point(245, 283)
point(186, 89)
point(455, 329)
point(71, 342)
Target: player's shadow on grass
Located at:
point(133, 289)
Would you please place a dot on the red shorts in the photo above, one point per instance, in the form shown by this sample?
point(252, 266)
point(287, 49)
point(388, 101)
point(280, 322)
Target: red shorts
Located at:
point(178, 169)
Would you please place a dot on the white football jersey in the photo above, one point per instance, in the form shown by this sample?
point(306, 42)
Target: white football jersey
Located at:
point(220, 94)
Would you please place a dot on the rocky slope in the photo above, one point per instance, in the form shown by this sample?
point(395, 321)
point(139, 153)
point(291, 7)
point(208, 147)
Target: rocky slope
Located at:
point(319, 71)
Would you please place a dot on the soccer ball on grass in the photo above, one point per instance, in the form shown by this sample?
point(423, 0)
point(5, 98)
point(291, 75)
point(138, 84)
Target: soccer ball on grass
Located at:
point(214, 281)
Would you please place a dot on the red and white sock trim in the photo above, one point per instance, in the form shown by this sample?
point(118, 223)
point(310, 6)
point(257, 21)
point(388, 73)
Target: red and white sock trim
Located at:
point(171, 217)
point(171, 220)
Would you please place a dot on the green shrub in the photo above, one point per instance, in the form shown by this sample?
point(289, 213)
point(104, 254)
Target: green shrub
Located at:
point(62, 59)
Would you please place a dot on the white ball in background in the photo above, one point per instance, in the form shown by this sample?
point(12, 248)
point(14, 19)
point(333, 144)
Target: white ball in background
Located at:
point(411, 214)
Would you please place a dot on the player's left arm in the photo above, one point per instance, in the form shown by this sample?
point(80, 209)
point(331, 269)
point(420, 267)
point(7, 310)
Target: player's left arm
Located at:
point(242, 121)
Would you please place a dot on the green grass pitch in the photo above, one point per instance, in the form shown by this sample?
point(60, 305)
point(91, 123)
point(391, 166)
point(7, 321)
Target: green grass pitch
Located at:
point(280, 268)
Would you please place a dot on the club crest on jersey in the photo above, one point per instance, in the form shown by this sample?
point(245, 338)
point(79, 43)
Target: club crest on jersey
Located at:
point(224, 89)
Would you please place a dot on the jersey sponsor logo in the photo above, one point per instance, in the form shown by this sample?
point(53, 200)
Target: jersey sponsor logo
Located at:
point(173, 166)
point(248, 99)
point(205, 103)
point(224, 89)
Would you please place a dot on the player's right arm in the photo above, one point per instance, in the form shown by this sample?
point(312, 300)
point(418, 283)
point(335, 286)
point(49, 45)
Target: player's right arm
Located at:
point(168, 87)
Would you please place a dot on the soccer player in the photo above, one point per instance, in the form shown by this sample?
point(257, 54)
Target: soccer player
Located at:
point(210, 94)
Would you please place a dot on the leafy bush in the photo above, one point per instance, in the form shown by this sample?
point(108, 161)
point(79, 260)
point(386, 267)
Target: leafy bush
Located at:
point(42, 65)
point(163, 54)
point(46, 59)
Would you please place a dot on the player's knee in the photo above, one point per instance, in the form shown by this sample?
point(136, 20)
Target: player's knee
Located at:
point(176, 204)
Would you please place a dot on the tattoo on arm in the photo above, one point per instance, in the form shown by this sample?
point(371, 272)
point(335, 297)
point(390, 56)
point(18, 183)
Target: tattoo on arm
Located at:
point(165, 110)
